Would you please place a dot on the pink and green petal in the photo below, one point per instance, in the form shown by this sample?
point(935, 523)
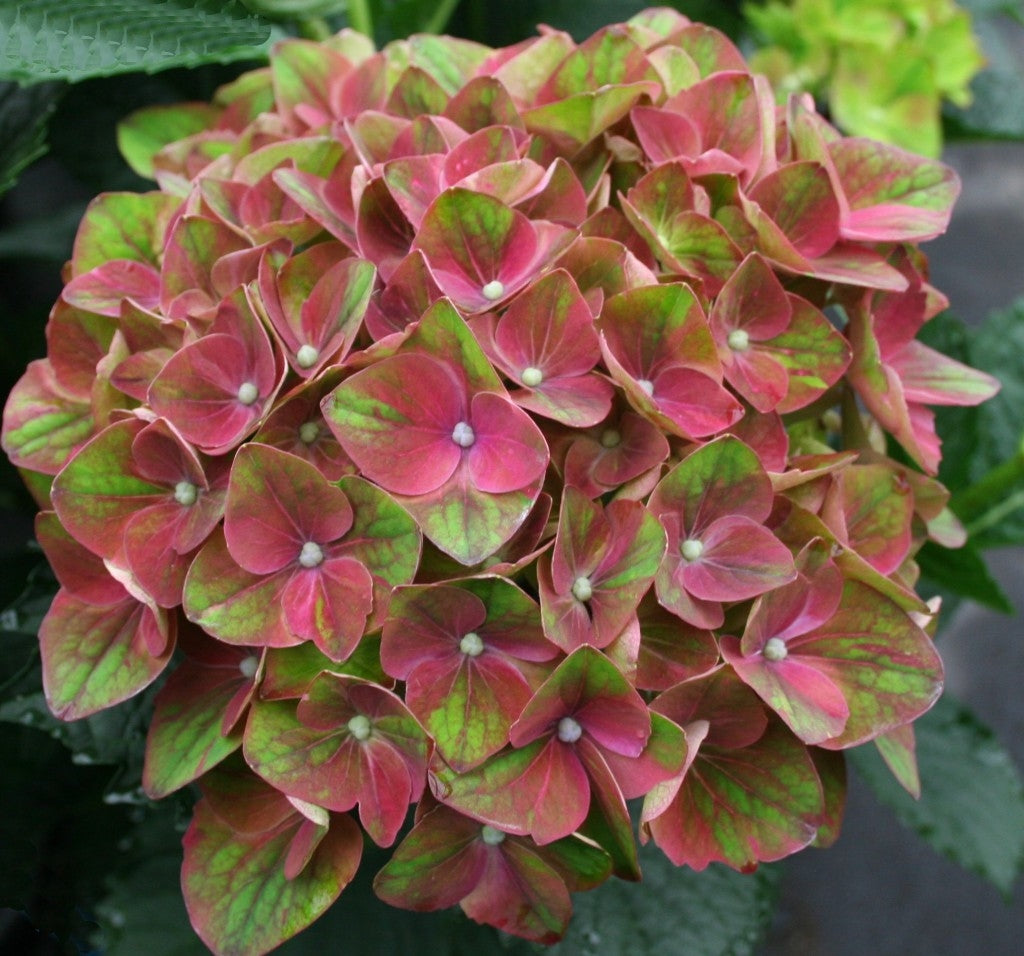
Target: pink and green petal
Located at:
point(95, 657)
point(773, 779)
point(232, 604)
point(187, 735)
point(241, 894)
point(396, 420)
point(44, 424)
point(276, 503)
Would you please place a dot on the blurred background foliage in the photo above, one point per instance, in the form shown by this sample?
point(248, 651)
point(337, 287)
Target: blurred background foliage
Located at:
point(91, 866)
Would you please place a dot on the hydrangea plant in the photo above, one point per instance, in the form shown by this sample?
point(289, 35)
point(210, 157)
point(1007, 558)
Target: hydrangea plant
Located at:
point(494, 437)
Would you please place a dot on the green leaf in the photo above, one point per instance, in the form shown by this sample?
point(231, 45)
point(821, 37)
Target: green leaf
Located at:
point(53, 39)
point(143, 911)
point(972, 804)
point(978, 440)
point(676, 910)
point(24, 114)
point(964, 572)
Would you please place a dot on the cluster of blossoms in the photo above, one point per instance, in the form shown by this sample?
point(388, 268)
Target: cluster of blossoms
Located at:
point(500, 432)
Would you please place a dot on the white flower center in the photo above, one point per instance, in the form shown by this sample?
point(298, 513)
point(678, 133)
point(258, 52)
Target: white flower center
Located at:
point(311, 555)
point(582, 589)
point(775, 649)
point(610, 438)
point(463, 435)
point(646, 386)
point(532, 376)
point(691, 549)
point(471, 644)
point(247, 393)
point(493, 291)
point(307, 356)
point(739, 340)
point(248, 666)
point(490, 836)
point(360, 727)
point(569, 731)
point(309, 432)
point(185, 493)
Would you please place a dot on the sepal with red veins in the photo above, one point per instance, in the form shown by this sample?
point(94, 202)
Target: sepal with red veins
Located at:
point(315, 303)
point(658, 348)
point(346, 742)
point(713, 506)
point(43, 423)
point(461, 650)
point(603, 561)
point(259, 867)
point(839, 663)
point(736, 756)
point(622, 448)
point(898, 378)
point(139, 496)
point(481, 251)
point(300, 558)
point(433, 425)
point(546, 343)
point(100, 643)
point(542, 786)
point(777, 350)
point(217, 389)
point(506, 881)
point(297, 425)
point(197, 714)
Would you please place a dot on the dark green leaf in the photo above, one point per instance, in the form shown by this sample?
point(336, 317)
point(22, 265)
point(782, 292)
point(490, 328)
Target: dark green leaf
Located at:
point(717, 912)
point(58, 836)
point(972, 803)
point(57, 39)
point(24, 114)
point(143, 911)
point(964, 572)
point(992, 433)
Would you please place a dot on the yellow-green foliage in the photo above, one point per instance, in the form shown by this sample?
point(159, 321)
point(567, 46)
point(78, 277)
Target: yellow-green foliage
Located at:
point(883, 66)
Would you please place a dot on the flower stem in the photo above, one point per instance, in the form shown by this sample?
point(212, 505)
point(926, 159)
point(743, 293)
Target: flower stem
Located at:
point(314, 28)
point(985, 501)
point(442, 14)
point(359, 17)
